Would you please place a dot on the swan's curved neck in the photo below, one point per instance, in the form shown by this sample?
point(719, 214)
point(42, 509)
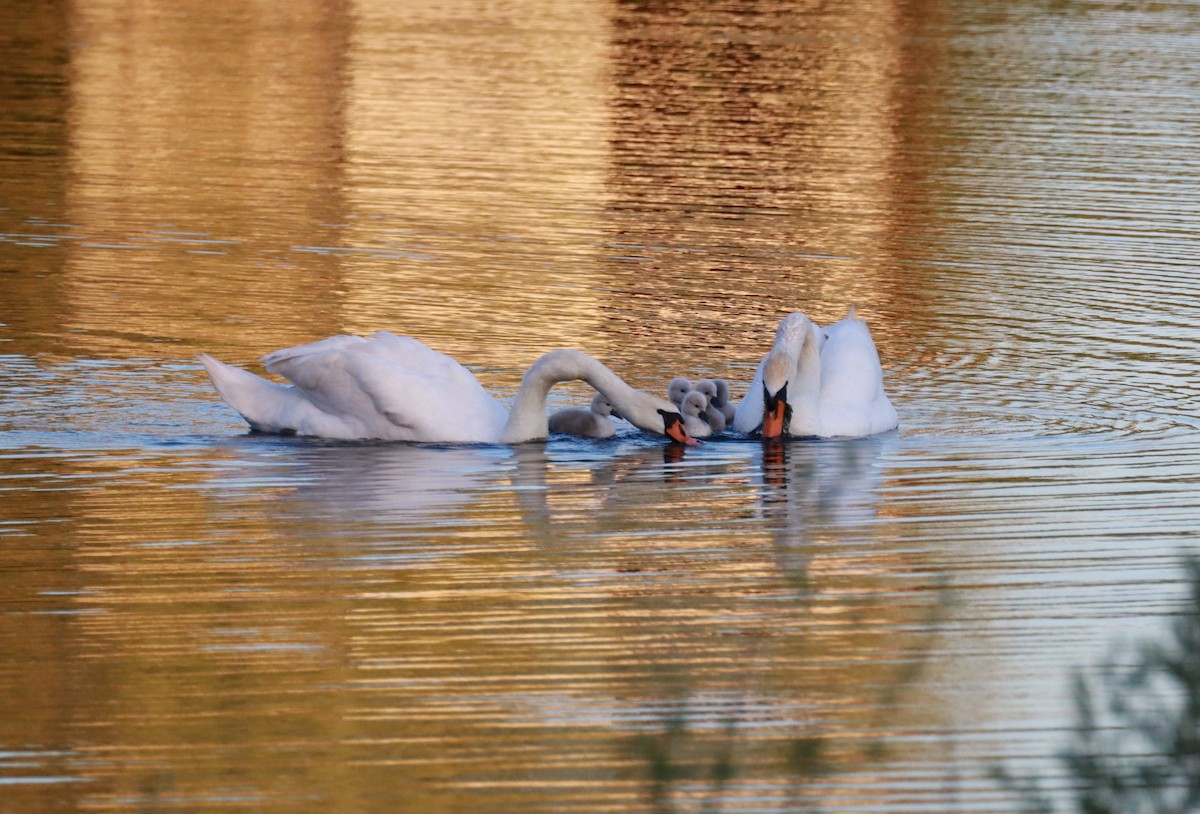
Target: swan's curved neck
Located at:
point(805, 396)
point(527, 420)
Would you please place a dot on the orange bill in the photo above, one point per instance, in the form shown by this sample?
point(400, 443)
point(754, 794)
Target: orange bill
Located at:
point(673, 427)
point(773, 418)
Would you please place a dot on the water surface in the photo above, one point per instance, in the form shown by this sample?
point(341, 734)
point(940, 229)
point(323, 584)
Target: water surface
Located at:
point(194, 618)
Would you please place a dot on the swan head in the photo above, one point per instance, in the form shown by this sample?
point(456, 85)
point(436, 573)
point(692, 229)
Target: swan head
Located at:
point(777, 413)
point(674, 428)
point(792, 327)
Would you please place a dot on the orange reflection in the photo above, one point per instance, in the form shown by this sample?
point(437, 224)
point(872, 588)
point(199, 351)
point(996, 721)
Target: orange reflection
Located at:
point(477, 171)
point(756, 160)
point(205, 145)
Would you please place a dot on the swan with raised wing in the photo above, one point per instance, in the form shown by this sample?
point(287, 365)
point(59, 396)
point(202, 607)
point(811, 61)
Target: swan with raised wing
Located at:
point(395, 388)
point(816, 382)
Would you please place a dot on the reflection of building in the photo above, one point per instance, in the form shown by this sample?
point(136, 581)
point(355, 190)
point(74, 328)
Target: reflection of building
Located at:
point(755, 159)
point(477, 167)
point(33, 140)
point(205, 144)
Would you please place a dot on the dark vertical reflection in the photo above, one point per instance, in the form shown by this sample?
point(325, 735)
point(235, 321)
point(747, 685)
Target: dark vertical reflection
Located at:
point(763, 156)
point(33, 146)
point(37, 702)
point(206, 144)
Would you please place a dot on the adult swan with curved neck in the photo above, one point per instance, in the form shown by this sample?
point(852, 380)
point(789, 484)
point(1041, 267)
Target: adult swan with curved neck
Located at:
point(395, 388)
point(815, 382)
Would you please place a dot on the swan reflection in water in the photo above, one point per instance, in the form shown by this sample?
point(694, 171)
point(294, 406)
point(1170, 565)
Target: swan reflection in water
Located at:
point(389, 482)
point(803, 492)
point(814, 492)
point(405, 484)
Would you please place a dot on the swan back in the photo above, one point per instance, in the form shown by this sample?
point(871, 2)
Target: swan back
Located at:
point(853, 401)
point(415, 396)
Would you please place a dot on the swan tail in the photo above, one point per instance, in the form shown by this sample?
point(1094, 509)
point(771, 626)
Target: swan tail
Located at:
point(251, 395)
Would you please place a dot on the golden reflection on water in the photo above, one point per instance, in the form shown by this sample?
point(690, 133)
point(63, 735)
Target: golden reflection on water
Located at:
point(195, 621)
point(205, 142)
point(243, 178)
point(544, 177)
point(467, 188)
point(796, 210)
point(308, 625)
point(335, 626)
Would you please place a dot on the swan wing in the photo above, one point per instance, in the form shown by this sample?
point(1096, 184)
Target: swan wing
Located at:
point(853, 401)
point(414, 355)
point(281, 356)
point(386, 400)
point(266, 406)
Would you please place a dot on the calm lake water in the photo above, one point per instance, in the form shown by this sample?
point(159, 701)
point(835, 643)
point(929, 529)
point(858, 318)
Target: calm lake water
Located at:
point(196, 619)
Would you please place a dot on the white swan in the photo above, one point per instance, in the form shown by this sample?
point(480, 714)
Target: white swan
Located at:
point(395, 388)
point(748, 417)
point(695, 420)
point(818, 383)
point(712, 412)
point(587, 422)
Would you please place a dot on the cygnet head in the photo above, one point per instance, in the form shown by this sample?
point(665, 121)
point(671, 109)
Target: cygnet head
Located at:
point(722, 392)
point(601, 406)
point(712, 410)
point(713, 413)
point(677, 389)
point(694, 417)
point(708, 387)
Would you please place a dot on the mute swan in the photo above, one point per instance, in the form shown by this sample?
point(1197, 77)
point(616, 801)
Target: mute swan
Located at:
point(677, 389)
point(589, 422)
point(827, 384)
point(695, 420)
point(395, 388)
point(748, 417)
point(712, 414)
